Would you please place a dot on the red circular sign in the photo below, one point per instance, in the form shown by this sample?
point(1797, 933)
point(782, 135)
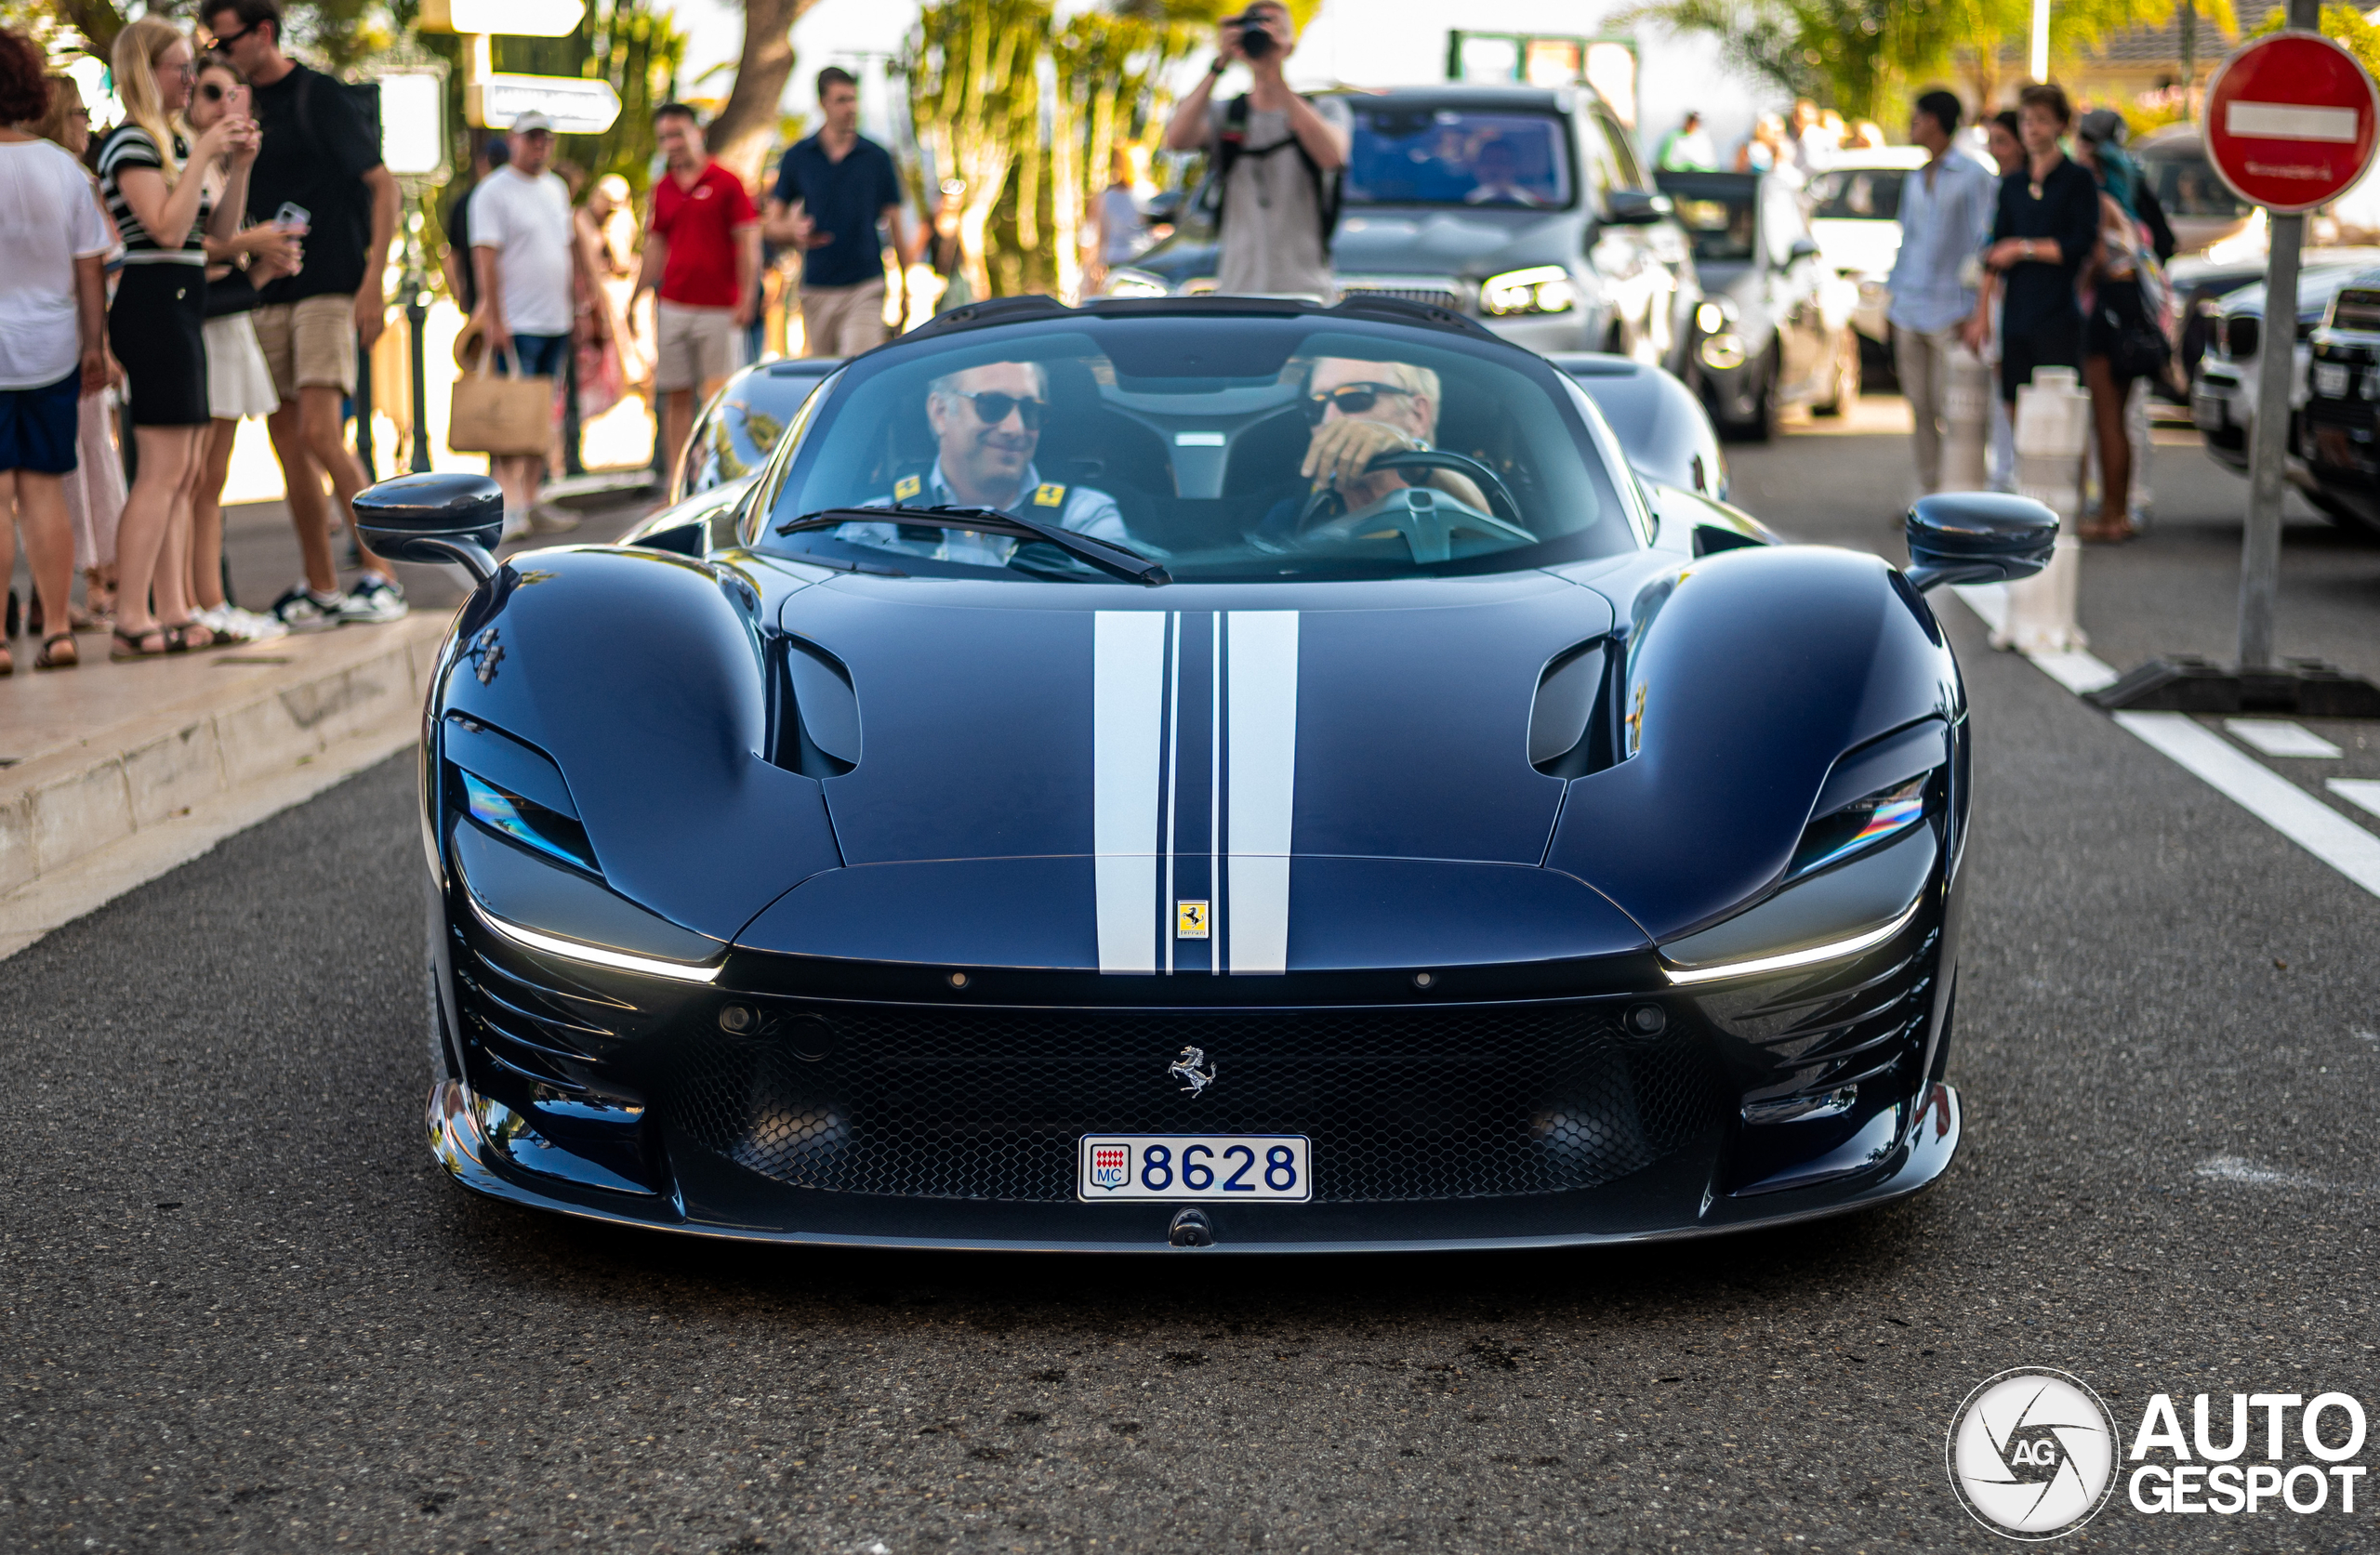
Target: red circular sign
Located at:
point(2291, 122)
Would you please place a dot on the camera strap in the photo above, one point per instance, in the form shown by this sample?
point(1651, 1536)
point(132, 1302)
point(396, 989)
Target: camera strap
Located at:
point(1231, 145)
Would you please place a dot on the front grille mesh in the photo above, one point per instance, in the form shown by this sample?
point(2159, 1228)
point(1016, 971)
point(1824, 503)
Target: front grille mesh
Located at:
point(1400, 1105)
point(1444, 296)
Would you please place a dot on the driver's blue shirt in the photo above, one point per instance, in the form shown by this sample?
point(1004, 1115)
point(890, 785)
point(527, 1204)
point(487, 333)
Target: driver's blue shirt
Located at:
point(1080, 508)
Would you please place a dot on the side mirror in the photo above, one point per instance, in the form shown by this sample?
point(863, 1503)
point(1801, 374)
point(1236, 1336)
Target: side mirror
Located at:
point(433, 519)
point(1636, 207)
point(1977, 537)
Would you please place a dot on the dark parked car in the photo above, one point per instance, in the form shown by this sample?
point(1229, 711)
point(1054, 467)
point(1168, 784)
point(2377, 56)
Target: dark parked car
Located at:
point(2340, 435)
point(2224, 400)
point(1526, 209)
point(1775, 327)
point(1427, 861)
point(735, 434)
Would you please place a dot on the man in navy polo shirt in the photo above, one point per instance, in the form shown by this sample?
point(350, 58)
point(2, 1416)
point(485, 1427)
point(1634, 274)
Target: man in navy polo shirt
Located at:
point(833, 191)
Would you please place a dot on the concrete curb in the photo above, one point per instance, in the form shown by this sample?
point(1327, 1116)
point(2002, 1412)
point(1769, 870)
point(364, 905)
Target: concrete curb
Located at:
point(290, 718)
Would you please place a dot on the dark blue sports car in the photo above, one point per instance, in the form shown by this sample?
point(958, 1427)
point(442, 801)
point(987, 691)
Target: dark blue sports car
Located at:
point(1198, 772)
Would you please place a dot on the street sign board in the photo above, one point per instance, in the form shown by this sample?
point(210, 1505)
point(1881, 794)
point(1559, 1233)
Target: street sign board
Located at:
point(413, 123)
point(576, 106)
point(522, 19)
point(2291, 122)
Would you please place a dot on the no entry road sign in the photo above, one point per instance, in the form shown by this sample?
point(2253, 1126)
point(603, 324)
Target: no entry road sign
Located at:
point(2291, 122)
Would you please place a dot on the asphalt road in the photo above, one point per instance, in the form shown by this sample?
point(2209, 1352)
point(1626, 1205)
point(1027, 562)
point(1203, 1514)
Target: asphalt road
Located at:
point(242, 1310)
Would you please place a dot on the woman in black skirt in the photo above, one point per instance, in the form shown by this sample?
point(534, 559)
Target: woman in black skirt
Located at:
point(155, 323)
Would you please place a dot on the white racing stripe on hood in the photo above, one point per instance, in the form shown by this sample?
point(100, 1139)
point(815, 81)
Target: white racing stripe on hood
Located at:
point(1263, 733)
point(1128, 732)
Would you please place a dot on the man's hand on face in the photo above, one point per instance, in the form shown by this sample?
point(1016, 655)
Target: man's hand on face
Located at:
point(1341, 448)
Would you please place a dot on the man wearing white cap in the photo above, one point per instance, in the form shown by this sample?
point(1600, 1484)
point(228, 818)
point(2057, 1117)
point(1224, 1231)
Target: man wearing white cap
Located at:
point(524, 253)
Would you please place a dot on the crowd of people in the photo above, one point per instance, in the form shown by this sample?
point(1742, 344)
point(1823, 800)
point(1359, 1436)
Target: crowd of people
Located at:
point(214, 256)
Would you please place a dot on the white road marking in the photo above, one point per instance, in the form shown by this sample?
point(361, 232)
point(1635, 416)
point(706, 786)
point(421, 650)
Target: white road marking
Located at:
point(1128, 736)
point(2281, 804)
point(1263, 736)
point(2234, 1168)
point(2362, 792)
point(2272, 799)
point(2281, 737)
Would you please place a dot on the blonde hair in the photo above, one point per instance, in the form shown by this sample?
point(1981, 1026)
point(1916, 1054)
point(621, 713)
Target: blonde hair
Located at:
point(64, 97)
point(133, 59)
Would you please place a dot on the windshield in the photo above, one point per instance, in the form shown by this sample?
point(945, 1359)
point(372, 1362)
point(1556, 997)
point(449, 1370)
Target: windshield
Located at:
point(1226, 448)
point(1720, 228)
point(1858, 194)
point(2187, 186)
point(1445, 156)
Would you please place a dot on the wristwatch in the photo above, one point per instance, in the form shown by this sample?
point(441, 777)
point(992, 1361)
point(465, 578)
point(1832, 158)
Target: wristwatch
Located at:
point(1219, 66)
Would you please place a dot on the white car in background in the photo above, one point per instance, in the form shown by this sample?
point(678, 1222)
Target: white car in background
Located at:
point(1855, 215)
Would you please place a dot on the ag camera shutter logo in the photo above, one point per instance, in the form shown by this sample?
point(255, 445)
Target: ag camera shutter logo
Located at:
point(2032, 1453)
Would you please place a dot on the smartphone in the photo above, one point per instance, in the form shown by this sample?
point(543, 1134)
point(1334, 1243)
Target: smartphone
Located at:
point(293, 217)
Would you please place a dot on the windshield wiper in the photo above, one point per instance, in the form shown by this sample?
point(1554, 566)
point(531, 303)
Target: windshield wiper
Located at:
point(1105, 555)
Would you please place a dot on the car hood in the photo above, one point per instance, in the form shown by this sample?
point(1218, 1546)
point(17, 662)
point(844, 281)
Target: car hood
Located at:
point(2316, 286)
point(1860, 247)
point(1395, 240)
point(1382, 721)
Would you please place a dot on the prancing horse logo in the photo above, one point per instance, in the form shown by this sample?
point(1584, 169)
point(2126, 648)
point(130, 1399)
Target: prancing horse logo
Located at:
point(1186, 1068)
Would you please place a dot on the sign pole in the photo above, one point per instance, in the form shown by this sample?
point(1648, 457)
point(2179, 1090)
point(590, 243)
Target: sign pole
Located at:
point(2268, 457)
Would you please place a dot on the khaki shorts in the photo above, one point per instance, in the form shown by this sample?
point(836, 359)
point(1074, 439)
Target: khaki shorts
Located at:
point(842, 321)
point(308, 344)
point(694, 346)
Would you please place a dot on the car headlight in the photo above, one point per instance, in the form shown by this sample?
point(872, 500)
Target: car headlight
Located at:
point(1715, 315)
point(1135, 282)
point(514, 789)
point(1859, 876)
point(1540, 289)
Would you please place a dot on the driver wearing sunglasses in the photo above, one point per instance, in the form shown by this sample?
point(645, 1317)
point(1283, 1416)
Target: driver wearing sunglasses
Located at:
point(1361, 410)
point(987, 424)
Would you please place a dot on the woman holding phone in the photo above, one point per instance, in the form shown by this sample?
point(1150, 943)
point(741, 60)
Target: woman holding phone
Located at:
point(156, 190)
point(239, 383)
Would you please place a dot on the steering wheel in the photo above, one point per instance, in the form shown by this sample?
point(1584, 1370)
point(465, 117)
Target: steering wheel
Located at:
point(1426, 516)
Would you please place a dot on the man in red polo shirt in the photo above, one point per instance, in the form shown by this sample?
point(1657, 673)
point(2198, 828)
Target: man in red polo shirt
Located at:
point(703, 250)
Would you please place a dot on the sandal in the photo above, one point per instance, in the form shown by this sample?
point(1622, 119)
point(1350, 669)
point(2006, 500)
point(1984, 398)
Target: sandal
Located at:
point(129, 645)
point(2107, 533)
point(189, 637)
point(52, 659)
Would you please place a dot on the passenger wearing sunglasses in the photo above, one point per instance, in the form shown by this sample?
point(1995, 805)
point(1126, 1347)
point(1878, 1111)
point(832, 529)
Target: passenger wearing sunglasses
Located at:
point(987, 424)
point(1361, 410)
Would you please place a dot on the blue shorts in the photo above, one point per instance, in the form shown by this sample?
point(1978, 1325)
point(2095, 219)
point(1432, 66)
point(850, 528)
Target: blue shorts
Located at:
point(38, 426)
point(541, 355)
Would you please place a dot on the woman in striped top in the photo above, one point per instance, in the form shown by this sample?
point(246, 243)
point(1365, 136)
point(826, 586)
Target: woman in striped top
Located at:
point(161, 210)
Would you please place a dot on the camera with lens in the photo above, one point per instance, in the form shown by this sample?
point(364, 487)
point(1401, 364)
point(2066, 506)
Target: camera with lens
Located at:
point(1256, 38)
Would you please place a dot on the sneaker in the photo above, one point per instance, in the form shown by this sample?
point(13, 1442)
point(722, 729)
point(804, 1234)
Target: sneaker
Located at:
point(300, 609)
point(546, 519)
point(233, 625)
point(374, 601)
point(516, 525)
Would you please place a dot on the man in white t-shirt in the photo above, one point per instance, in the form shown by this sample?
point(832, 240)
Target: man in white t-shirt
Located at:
point(53, 322)
point(526, 253)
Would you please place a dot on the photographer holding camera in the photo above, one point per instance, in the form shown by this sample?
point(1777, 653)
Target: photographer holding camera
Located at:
point(1274, 179)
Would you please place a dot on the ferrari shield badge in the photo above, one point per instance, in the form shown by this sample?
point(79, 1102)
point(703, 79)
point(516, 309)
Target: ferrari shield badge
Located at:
point(1111, 1166)
point(906, 487)
point(1190, 920)
point(1049, 494)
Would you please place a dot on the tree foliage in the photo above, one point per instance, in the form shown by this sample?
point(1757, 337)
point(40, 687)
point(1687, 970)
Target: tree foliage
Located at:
point(2343, 25)
point(1862, 56)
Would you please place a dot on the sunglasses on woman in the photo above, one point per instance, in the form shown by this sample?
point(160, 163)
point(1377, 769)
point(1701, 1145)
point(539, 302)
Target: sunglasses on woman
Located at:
point(1353, 399)
point(992, 409)
point(213, 92)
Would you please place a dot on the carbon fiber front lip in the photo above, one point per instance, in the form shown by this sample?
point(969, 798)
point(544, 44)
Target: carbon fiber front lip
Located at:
point(1915, 1164)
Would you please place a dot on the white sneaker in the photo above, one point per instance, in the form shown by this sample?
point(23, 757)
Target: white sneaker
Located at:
point(374, 601)
point(516, 525)
point(546, 519)
point(246, 626)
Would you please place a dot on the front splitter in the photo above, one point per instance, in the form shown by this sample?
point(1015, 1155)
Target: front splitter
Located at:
point(1914, 1165)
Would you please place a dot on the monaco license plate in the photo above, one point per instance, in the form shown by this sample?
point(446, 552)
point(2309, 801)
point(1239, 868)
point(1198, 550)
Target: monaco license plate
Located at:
point(2330, 379)
point(1173, 1166)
